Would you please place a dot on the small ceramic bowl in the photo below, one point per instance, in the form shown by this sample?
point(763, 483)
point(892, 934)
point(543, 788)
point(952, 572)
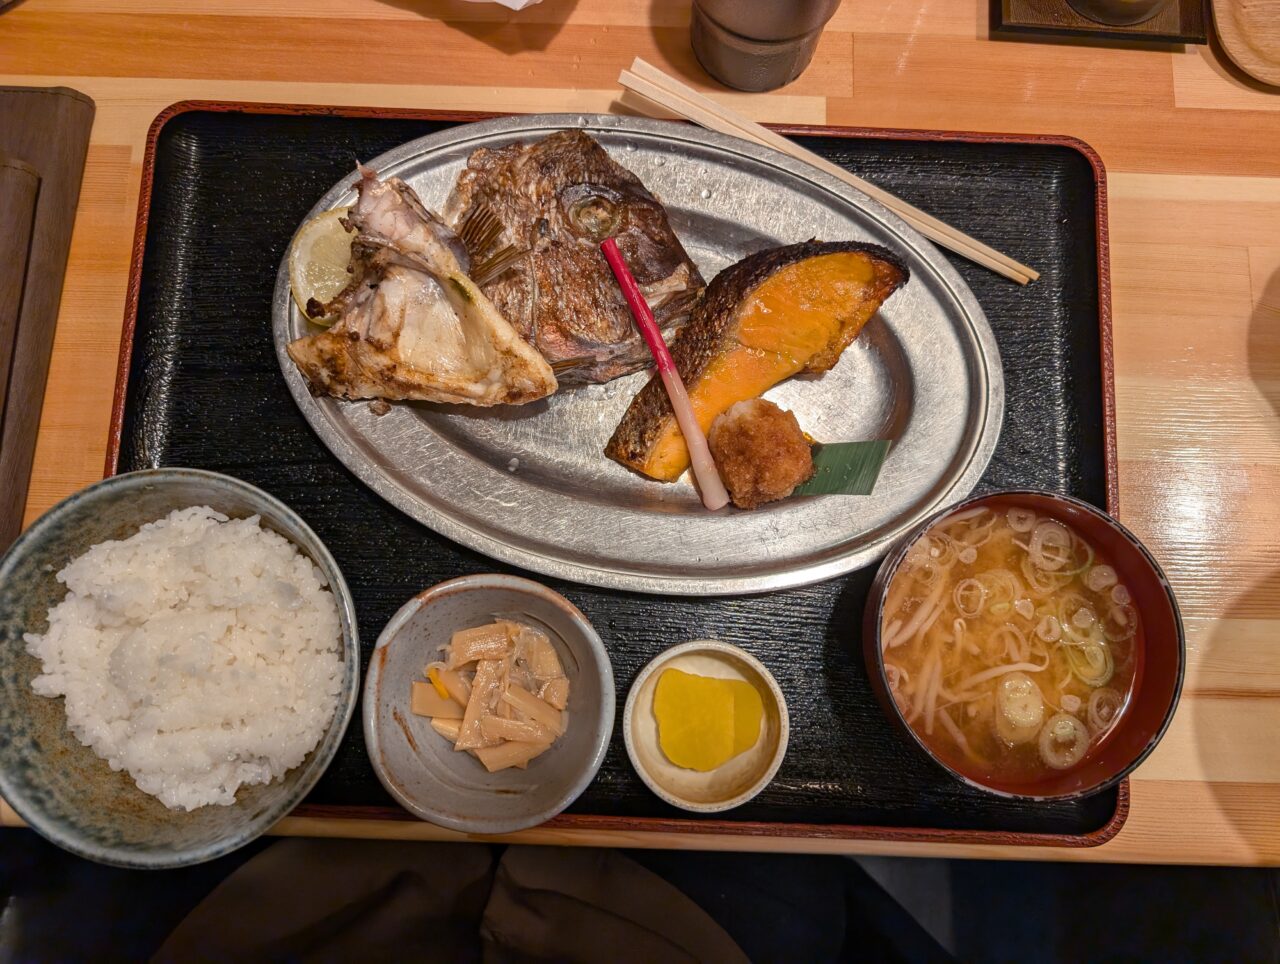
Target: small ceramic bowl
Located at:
point(423, 771)
point(738, 780)
point(56, 783)
point(1160, 663)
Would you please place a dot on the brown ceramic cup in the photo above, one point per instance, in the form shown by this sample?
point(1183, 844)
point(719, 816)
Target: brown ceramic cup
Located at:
point(758, 46)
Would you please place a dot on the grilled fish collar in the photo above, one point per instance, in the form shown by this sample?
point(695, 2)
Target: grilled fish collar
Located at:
point(411, 324)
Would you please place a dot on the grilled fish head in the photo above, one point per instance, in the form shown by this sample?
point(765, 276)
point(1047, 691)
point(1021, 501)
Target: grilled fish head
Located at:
point(557, 200)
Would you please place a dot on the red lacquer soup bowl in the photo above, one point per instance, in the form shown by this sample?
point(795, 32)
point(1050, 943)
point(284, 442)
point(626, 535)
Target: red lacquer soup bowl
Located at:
point(1159, 659)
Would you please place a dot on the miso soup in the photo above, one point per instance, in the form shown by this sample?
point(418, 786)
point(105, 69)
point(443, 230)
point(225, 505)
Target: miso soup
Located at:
point(1010, 645)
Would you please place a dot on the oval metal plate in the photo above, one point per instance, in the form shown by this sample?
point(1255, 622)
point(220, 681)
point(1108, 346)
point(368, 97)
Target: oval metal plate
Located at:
point(529, 485)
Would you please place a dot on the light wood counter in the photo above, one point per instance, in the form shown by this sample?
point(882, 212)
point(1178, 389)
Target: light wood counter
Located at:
point(1193, 157)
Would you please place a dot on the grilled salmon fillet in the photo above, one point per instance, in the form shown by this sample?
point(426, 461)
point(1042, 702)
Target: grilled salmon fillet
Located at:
point(770, 316)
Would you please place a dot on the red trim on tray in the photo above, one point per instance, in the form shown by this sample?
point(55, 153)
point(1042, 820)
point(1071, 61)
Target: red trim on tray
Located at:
point(736, 828)
point(797, 831)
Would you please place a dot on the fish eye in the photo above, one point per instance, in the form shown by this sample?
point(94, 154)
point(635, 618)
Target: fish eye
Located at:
point(593, 211)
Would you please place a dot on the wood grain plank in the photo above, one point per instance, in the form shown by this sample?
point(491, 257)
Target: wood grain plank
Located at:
point(419, 51)
point(1190, 278)
point(1220, 560)
point(1235, 823)
point(1231, 656)
point(73, 435)
point(941, 72)
point(1129, 137)
point(1264, 292)
point(1232, 211)
point(660, 13)
point(896, 16)
point(1243, 434)
point(1205, 741)
point(912, 18)
point(1201, 82)
point(129, 105)
point(1213, 348)
point(851, 14)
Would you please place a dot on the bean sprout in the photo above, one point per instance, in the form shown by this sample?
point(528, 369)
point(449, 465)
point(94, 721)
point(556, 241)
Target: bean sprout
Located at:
point(929, 608)
point(953, 731)
point(1016, 646)
point(995, 671)
point(890, 631)
point(976, 536)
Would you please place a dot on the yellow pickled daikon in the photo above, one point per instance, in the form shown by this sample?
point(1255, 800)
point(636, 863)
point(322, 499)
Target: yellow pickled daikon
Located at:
point(705, 722)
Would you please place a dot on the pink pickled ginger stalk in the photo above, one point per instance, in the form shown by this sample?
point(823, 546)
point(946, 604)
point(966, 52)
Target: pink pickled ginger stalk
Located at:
point(710, 487)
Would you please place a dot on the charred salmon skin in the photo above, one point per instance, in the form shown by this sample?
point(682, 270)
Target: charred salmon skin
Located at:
point(770, 316)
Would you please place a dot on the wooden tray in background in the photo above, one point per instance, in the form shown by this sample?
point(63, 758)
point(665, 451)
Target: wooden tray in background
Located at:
point(1181, 22)
point(224, 187)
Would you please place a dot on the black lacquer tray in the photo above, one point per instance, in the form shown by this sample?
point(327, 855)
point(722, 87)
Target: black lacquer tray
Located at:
point(224, 187)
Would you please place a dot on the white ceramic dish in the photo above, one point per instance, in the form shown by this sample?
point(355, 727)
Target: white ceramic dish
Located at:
point(742, 777)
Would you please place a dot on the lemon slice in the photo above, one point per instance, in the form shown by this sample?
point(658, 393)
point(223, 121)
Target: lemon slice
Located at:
point(318, 260)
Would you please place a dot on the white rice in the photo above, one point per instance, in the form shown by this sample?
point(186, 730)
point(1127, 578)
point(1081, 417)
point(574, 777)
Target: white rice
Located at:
point(200, 654)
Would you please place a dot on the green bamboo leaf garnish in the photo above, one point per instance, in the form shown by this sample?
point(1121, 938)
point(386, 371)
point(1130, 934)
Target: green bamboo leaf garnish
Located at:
point(845, 468)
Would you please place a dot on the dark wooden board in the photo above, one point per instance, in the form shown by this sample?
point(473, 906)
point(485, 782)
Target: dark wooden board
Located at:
point(223, 191)
point(45, 129)
point(1181, 22)
point(19, 188)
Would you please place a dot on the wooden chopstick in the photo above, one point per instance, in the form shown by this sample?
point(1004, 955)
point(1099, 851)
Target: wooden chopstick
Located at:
point(671, 95)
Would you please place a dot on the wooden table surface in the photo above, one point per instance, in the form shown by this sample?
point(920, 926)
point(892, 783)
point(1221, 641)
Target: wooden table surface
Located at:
point(1193, 160)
